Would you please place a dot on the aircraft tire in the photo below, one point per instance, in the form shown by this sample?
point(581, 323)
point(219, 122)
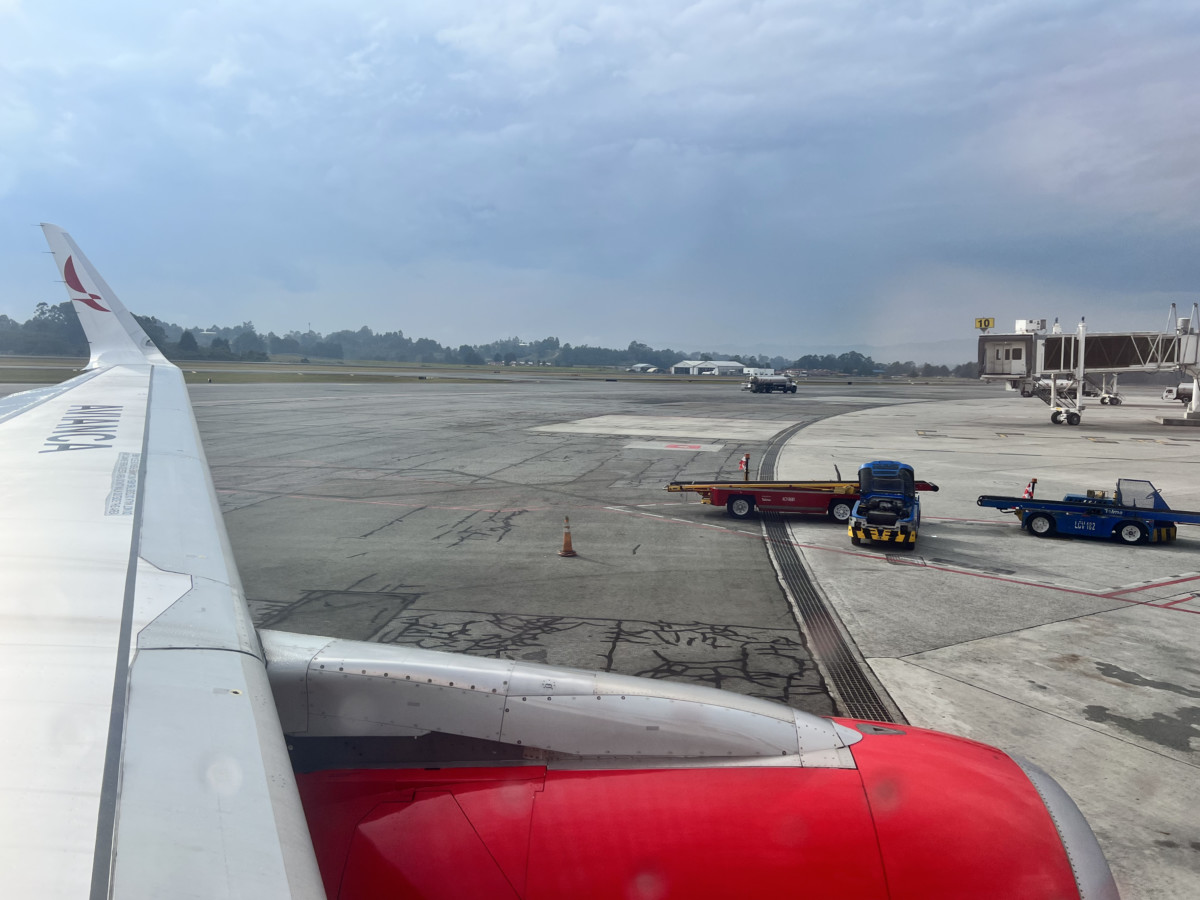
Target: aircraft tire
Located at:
point(740, 506)
point(1040, 525)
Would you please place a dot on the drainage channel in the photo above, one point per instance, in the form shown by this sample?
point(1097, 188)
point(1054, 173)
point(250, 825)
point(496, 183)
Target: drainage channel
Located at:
point(844, 666)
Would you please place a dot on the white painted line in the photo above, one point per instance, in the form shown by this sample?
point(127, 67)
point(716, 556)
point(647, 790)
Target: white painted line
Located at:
point(690, 429)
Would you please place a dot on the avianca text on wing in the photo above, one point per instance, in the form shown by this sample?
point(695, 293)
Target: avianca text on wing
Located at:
point(84, 427)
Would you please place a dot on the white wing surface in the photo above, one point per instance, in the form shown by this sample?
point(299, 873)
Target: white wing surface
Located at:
point(140, 749)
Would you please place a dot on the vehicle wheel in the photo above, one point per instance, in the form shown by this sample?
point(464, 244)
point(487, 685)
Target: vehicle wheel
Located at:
point(857, 542)
point(839, 510)
point(1132, 533)
point(1040, 524)
point(1104, 401)
point(1073, 418)
point(1056, 417)
point(1114, 401)
point(740, 506)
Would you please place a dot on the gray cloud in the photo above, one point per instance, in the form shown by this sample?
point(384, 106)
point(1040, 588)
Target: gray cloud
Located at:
point(697, 174)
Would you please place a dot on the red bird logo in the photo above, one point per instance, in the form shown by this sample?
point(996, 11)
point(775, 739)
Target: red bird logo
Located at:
point(76, 285)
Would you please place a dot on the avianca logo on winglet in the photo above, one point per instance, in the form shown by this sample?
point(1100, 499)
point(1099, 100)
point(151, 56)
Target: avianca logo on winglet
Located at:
point(76, 285)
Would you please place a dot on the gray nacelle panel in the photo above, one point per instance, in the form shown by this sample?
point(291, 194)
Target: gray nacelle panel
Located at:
point(631, 725)
point(361, 704)
point(349, 689)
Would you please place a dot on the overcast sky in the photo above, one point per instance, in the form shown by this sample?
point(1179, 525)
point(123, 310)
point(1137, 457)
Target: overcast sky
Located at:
point(773, 177)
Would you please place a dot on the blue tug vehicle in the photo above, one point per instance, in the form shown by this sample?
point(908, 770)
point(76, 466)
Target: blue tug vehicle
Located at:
point(1135, 513)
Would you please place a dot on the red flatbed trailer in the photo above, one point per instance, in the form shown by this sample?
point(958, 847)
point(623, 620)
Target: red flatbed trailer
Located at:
point(835, 499)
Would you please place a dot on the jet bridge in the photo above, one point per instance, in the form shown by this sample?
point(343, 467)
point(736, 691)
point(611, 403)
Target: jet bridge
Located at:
point(1063, 369)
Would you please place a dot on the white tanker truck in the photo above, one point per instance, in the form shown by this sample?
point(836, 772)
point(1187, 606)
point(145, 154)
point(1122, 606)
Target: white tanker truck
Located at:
point(764, 384)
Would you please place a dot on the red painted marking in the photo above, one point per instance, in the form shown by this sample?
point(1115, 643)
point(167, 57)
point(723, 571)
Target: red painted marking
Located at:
point(682, 446)
point(1178, 601)
point(1147, 587)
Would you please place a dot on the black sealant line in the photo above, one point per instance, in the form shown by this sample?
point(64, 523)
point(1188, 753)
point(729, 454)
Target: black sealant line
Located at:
point(841, 663)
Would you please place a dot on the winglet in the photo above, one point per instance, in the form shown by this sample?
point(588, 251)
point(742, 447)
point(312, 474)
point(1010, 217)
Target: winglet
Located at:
point(114, 334)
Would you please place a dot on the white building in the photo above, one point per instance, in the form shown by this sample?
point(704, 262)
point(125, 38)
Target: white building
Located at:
point(707, 367)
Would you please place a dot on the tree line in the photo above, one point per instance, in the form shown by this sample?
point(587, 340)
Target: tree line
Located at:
point(54, 330)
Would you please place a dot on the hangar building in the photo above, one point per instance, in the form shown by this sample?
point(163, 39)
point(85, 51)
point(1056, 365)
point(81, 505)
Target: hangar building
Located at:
point(707, 367)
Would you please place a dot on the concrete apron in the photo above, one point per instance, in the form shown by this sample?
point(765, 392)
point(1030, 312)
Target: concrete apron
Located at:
point(1082, 655)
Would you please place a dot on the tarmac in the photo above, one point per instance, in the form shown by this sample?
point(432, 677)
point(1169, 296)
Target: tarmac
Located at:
point(1081, 655)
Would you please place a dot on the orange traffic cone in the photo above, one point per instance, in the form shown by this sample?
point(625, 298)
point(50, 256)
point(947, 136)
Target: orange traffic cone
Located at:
point(567, 550)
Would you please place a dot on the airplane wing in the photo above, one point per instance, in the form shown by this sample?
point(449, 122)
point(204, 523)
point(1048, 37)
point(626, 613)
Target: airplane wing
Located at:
point(154, 745)
point(142, 753)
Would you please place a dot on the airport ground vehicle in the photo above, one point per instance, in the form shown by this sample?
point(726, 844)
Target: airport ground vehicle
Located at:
point(157, 744)
point(1182, 393)
point(1135, 514)
point(835, 499)
point(765, 384)
point(887, 510)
